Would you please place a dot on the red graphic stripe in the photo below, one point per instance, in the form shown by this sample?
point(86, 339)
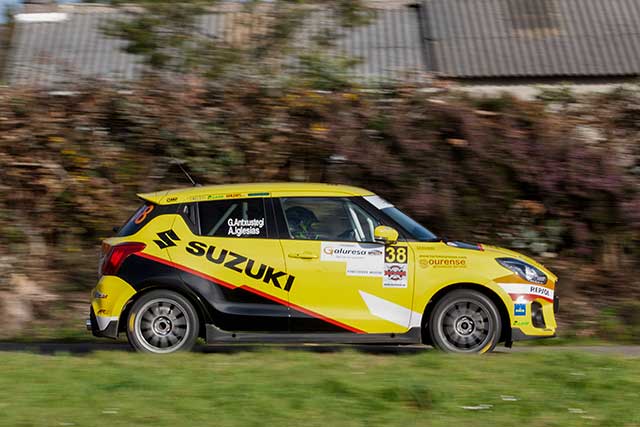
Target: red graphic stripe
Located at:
point(187, 269)
point(529, 297)
point(252, 290)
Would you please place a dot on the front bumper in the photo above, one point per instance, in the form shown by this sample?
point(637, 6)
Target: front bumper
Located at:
point(518, 335)
point(529, 329)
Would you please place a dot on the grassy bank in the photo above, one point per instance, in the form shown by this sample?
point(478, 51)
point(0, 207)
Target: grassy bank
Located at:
point(298, 388)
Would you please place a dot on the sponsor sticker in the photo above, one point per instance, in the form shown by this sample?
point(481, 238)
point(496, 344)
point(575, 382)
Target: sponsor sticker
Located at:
point(520, 309)
point(522, 289)
point(361, 259)
point(442, 261)
point(395, 275)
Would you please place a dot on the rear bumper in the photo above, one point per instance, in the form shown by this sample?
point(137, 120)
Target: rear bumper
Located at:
point(102, 327)
point(108, 300)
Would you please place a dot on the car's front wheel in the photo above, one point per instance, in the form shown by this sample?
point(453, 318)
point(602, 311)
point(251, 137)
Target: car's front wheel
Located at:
point(465, 321)
point(162, 322)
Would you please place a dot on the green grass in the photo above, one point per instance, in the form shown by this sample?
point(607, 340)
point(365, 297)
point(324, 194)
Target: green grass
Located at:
point(568, 340)
point(294, 388)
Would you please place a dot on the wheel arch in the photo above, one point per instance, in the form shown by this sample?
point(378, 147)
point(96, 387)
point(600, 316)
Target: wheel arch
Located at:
point(179, 288)
point(505, 320)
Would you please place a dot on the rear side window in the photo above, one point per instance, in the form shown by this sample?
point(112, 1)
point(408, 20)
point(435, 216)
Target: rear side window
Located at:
point(233, 218)
point(143, 215)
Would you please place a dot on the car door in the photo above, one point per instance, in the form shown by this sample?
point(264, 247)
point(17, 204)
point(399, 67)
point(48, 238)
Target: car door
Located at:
point(344, 280)
point(235, 262)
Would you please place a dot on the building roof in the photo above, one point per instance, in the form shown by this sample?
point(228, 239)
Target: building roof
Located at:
point(53, 53)
point(532, 38)
point(460, 39)
point(272, 189)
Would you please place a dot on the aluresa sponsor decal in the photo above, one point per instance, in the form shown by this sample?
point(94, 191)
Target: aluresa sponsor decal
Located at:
point(351, 251)
point(361, 259)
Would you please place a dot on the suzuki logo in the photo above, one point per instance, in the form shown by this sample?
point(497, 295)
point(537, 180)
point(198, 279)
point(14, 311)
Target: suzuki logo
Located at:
point(167, 239)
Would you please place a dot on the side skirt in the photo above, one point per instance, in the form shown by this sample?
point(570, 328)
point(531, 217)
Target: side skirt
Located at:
point(216, 335)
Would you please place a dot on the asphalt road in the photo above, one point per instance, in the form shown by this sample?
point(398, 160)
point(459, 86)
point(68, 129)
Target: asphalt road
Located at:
point(79, 348)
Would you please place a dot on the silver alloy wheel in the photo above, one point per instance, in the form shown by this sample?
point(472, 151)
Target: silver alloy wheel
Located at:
point(465, 325)
point(162, 325)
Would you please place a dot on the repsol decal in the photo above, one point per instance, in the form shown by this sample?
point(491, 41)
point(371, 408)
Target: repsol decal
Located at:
point(242, 264)
point(517, 290)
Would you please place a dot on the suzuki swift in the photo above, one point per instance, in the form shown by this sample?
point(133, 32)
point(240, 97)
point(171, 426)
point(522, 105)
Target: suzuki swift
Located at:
point(295, 262)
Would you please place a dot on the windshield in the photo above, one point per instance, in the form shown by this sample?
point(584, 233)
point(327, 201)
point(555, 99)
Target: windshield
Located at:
point(405, 221)
point(409, 224)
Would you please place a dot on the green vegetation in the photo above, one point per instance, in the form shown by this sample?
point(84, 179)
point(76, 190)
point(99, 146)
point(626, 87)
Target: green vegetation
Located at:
point(266, 38)
point(299, 388)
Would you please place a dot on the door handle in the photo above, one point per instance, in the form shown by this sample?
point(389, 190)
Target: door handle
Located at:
point(303, 255)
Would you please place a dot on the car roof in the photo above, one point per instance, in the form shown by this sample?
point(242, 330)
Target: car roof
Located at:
point(231, 191)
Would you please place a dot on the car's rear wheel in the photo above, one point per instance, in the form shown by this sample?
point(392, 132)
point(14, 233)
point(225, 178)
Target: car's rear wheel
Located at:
point(465, 321)
point(162, 322)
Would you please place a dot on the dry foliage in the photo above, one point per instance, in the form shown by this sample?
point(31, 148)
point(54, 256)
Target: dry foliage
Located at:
point(563, 184)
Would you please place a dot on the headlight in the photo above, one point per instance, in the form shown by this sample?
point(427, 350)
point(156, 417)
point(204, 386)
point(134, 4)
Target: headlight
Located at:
point(527, 271)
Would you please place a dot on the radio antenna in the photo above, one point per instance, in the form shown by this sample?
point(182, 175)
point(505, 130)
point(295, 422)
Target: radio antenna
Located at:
point(184, 171)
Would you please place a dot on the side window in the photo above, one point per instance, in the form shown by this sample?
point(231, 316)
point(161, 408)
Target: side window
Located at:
point(233, 218)
point(329, 219)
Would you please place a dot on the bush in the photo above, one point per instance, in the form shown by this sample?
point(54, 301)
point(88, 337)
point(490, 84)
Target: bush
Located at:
point(70, 166)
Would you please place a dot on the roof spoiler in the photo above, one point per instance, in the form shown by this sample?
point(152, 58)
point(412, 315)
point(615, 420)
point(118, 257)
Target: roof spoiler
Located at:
point(154, 198)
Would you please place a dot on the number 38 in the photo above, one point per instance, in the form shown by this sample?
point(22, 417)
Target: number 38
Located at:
point(396, 254)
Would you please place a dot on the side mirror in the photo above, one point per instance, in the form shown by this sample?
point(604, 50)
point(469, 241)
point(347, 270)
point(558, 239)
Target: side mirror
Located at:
point(386, 235)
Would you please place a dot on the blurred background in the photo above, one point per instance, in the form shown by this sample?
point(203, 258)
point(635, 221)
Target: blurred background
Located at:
point(507, 122)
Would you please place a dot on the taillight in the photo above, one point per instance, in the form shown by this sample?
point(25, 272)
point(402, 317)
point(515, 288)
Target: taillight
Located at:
point(104, 250)
point(117, 254)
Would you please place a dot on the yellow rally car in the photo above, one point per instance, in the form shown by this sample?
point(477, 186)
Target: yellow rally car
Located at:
point(308, 263)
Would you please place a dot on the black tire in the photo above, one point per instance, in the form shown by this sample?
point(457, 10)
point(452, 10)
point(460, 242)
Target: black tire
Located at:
point(162, 322)
point(465, 321)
